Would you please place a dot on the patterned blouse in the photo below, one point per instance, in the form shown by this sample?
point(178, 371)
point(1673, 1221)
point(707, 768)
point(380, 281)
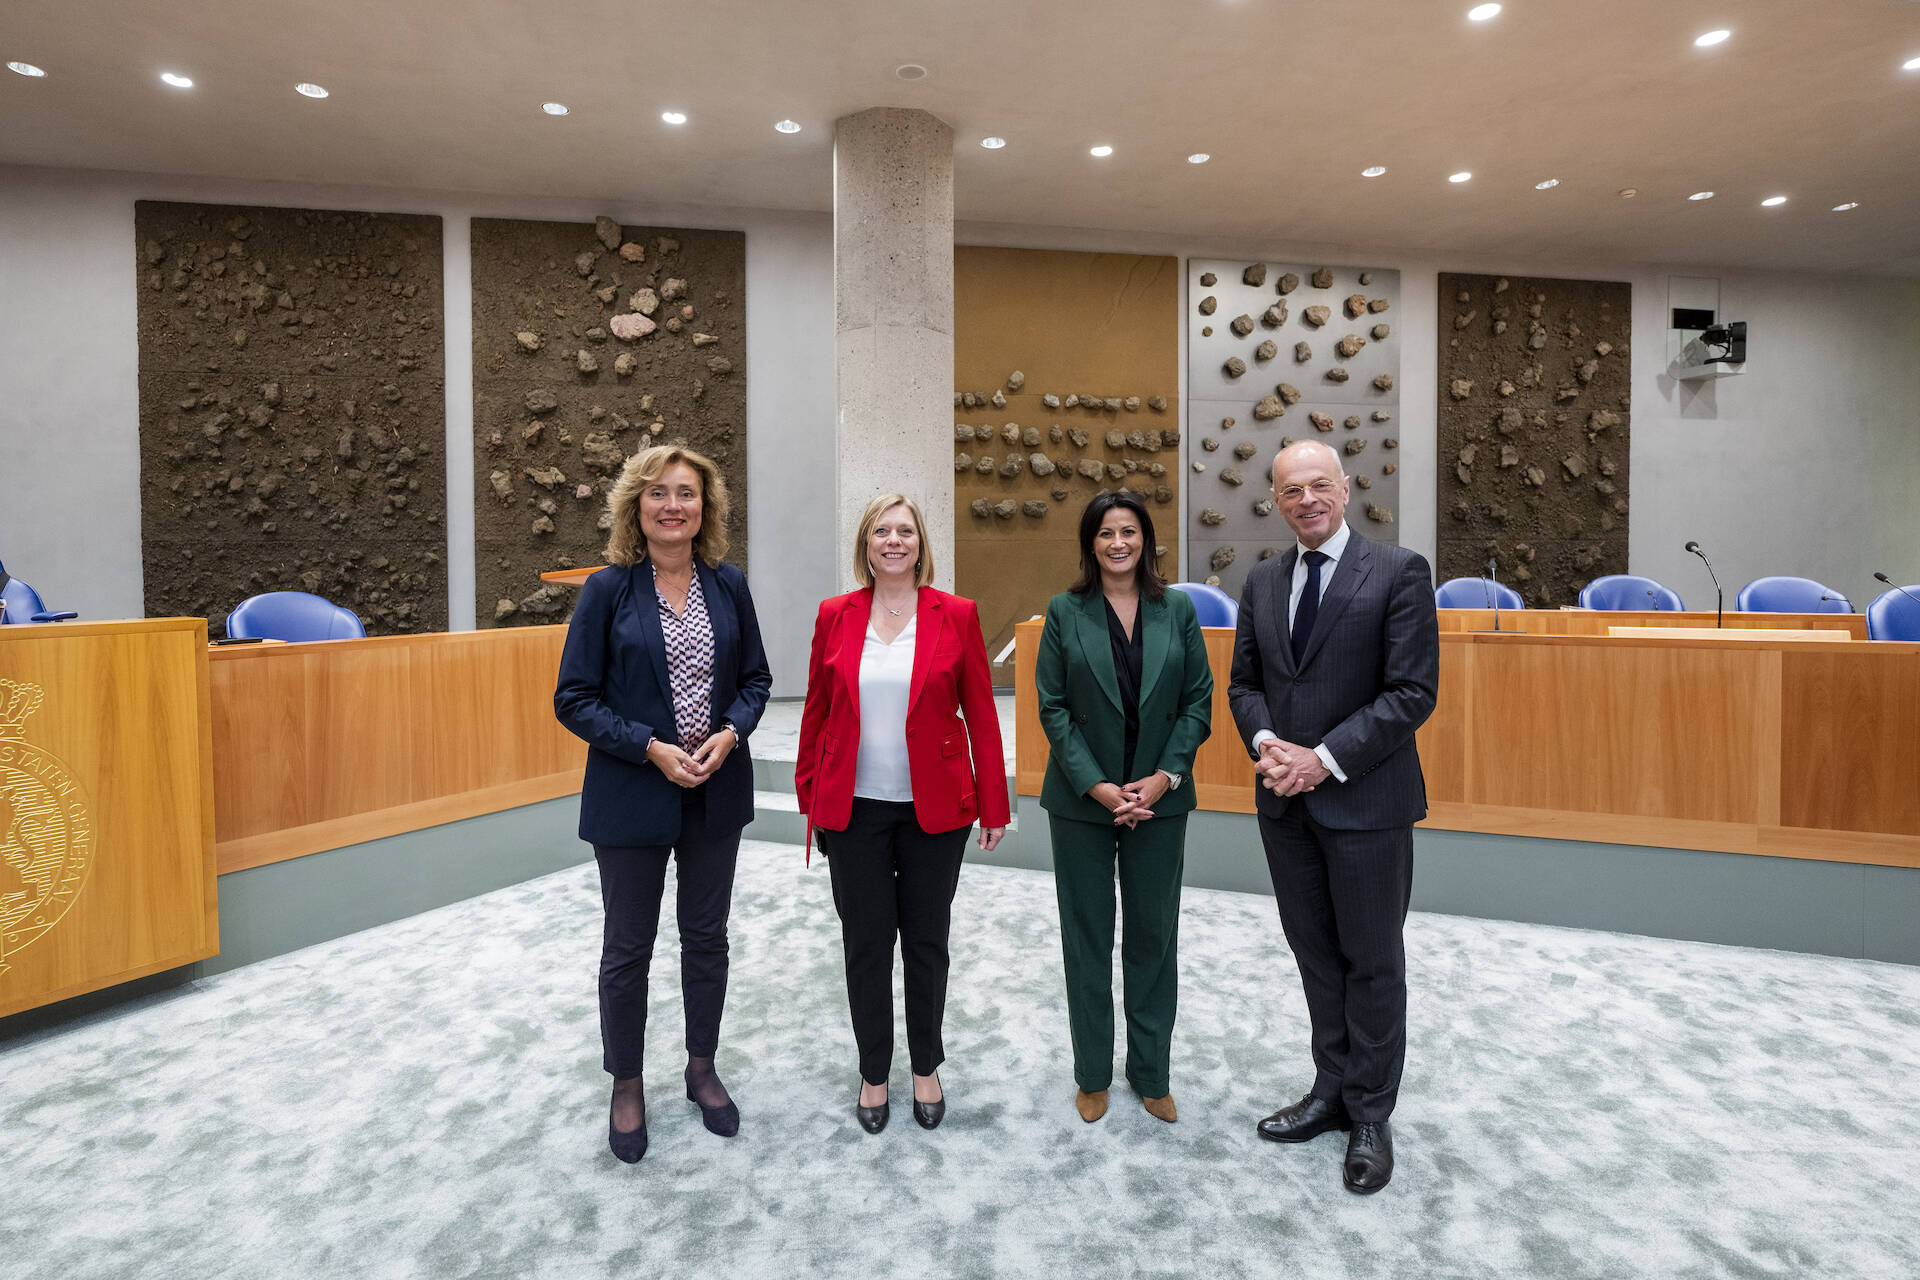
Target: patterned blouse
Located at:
point(689, 639)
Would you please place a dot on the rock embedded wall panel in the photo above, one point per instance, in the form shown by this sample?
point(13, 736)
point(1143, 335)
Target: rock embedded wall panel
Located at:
point(591, 341)
point(292, 410)
point(1533, 431)
point(1278, 352)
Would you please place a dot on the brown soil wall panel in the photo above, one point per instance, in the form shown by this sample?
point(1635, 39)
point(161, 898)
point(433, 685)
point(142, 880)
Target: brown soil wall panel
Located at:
point(1534, 393)
point(292, 411)
point(561, 399)
point(1101, 329)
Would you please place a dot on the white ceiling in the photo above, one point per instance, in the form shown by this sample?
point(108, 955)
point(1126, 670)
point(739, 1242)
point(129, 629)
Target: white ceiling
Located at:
point(1291, 97)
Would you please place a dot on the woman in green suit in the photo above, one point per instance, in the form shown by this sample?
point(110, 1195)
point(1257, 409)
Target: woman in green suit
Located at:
point(1125, 700)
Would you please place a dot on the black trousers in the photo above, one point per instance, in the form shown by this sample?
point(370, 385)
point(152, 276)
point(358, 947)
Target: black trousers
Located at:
point(891, 879)
point(1343, 902)
point(632, 882)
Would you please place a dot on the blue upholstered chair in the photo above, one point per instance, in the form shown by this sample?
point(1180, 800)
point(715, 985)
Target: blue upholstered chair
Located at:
point(1214, 606)
point(292, 616)
point(1476, 593)
point(1630, 593)
point(25, 605)
point(1790, 595)
point(1893, 616)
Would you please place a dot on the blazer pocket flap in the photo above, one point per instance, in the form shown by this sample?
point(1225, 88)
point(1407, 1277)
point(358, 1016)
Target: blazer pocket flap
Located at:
point(826, 744)
point(953, 746)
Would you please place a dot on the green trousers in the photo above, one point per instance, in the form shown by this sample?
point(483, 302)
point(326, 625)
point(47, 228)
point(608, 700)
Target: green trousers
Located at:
point(1149, 859)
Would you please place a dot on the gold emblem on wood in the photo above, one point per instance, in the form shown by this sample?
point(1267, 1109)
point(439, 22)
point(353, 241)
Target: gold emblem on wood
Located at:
point(46, 828)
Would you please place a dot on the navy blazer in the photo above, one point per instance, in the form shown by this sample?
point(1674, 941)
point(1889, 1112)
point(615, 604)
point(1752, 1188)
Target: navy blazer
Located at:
point(613, 691)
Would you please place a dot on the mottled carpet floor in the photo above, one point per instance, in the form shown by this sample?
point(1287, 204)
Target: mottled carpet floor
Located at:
point(425, 1099)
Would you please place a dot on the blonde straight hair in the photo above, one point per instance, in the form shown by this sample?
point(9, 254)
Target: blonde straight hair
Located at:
point(922, 569)
point(626, 544)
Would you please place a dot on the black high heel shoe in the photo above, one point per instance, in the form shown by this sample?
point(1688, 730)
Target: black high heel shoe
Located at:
point(872, 1119)
point(629, 1147)
point(928, 1115)
point(723, 1120)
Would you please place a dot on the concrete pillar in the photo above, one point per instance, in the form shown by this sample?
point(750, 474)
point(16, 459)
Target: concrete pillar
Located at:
point(893, 322)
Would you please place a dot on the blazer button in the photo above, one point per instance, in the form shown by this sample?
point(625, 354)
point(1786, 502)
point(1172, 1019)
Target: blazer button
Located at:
point(909, 733)
point(1299, 679)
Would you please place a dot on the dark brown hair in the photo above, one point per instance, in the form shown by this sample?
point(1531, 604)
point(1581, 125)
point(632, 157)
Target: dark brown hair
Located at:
point(1152, 585)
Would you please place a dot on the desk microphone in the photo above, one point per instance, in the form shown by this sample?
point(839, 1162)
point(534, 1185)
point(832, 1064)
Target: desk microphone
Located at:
point(1897, 587)
point(1493, 593)
point(1842, 599)
point(1719, 597)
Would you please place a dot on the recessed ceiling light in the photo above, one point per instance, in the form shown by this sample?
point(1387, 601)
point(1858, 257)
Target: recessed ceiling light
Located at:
point(1711, 38)
point(674, 117)
point(1199, 157)
point(1701, 195)
point(176, 80)
point(310, 91)
point(1773, 201)
point(1628, 193)
point(1481, 12)
point(1373, 171)
point(1102, 150)
point(787, 126)
point(1842, 208)
point(26, 69)
point(1911, 64)
point(993, 144)
point(1548, 185)
point(910, 71)
point(1462, 176)
point(554, 108)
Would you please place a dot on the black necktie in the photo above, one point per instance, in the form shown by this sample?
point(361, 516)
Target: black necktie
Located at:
point(1308, 608)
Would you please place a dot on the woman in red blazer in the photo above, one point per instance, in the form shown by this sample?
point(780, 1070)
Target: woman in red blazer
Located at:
point(899, 756)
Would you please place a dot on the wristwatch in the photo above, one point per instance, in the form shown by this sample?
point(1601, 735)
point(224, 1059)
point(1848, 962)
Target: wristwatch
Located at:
point(1173, 781)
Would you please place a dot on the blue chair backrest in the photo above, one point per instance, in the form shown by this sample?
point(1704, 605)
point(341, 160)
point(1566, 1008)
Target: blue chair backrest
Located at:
point(1476, 593)
point(1789, 595)
point(22, 601)
point(1214, 606)
point(293, 616)
point(1893, 616)
point(1629, 592)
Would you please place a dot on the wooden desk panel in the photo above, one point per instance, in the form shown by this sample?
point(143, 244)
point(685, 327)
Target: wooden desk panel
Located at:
point(1595, 622)
point(1807, 749)
point(106, 808)
point(321, 745)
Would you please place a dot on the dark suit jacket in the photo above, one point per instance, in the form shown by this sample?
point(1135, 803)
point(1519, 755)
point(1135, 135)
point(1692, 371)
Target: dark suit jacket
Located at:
point(1080, 701)
point(957, 770)
point(1368, 681)
point(613, 691)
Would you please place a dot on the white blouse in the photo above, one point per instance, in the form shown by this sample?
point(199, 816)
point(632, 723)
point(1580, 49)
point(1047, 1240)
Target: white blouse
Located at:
point(886, 677)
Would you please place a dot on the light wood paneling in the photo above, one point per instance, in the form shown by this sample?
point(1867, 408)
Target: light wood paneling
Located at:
point(106, 807)
point(1789, 748)
point(1597, 622)
point(319, 745)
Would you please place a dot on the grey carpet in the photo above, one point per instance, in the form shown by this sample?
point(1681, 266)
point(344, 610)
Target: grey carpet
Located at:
point(424, 1099)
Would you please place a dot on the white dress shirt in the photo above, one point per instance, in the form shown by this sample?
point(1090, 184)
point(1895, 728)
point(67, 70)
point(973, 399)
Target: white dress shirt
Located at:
point(1333, 548)
point(886, 678)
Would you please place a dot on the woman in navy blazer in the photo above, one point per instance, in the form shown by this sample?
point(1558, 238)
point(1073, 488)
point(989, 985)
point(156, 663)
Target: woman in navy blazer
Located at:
point(664, 677)
point(892, 778)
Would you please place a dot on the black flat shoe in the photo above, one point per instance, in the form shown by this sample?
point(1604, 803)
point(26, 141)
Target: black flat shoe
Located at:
point(872, 1119)
point(1369, 1161)
point(1305, 1120)
point(629, 1147)
point(723, 1119)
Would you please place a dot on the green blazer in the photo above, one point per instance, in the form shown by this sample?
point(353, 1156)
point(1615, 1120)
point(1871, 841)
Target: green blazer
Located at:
point(1080, 701)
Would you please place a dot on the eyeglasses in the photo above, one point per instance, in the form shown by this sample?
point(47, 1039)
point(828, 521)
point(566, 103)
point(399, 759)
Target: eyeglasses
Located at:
point(1319, 489)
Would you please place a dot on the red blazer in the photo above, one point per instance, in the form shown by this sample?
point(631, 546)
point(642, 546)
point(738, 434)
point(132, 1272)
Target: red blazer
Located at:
point(958, 772)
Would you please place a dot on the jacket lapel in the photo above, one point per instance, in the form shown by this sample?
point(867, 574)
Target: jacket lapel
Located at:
point(852, 643)
point(720, 621)
point(1097, 646)
point(646, 604)
point(1284, 590)
point(1348, 573)
point(1154, 641)
point(930, 618)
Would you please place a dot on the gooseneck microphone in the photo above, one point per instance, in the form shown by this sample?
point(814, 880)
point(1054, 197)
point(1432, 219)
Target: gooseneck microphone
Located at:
point(1493, 592)
point(1719, 596)
point(1897, 587)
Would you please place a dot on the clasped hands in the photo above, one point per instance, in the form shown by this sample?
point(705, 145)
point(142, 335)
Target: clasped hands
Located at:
point(1289, 769)
point(1133, 803)
point(690, 770)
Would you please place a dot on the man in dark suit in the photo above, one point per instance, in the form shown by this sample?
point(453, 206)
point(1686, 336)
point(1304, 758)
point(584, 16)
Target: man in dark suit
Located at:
point(1336, 661)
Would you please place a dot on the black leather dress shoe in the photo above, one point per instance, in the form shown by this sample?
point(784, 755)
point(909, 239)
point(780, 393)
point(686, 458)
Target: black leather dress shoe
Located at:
point(928, 1115)
point(723, 1119)
point(1304, 1120)
point(1369, 1157)
point(872, 1119)
point(629, 1147)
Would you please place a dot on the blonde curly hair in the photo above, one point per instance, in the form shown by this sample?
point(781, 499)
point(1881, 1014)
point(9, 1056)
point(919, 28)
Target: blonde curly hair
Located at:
point(626, 544)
